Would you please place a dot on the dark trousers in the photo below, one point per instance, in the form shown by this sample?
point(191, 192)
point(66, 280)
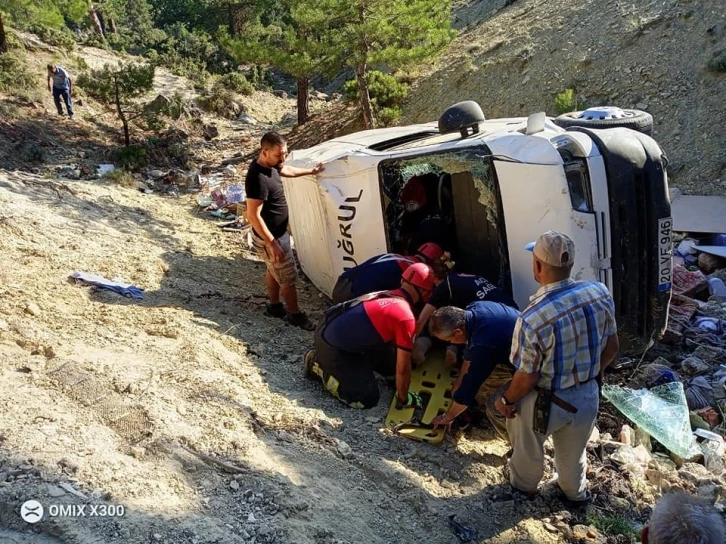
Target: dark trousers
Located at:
point(342, 291)
point(348, 376)
point(66, 96)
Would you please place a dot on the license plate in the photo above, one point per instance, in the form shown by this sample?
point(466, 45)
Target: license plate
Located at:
point(665, 253)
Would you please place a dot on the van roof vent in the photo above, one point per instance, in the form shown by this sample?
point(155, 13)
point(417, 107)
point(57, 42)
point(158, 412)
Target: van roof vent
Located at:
point(461, 117)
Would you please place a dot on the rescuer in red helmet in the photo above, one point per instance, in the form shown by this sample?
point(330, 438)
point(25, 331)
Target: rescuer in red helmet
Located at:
point(356, 337)
point(381, 273)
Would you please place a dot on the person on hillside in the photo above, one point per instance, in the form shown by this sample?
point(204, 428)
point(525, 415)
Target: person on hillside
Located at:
point(60, 85)
point(356, 337)
point(485, 328)
point(679, 518)
point(380, 273)
point(563, 341)
point(453, 289)
point(267, 212)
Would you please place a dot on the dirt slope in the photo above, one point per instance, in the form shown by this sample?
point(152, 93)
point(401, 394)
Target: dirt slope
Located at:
point(189, 407)
point(112, 395)
point(514, 60)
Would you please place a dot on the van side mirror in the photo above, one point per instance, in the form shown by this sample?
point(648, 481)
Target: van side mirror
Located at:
point(536, 123)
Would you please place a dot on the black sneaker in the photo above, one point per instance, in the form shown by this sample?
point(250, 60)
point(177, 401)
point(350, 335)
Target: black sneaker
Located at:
point(300, 320)
point(275, 310)
point(463, 422)
point(576, 503)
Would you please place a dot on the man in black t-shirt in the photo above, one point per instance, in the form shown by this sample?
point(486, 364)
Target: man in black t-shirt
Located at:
point(268, 214)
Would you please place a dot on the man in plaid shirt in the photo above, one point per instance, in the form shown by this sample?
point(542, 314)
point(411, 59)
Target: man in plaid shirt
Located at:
point(562, 343)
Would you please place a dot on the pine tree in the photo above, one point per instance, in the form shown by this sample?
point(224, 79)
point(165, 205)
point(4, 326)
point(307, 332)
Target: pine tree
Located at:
point(120, 86)
point(3, 39)
point(291, 36)
point(387, 33)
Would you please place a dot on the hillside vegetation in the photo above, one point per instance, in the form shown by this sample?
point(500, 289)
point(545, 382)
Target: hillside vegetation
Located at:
point(666, 57)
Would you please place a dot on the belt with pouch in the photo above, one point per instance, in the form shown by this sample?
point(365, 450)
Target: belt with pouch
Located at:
point(557, 401)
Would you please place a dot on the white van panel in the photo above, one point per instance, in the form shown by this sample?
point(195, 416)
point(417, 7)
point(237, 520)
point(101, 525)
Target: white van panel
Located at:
point(336, 220)
point(535, 198)
point(527, 149)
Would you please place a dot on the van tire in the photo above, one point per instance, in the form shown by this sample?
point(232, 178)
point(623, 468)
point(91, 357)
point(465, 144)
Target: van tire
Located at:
point(641, 121)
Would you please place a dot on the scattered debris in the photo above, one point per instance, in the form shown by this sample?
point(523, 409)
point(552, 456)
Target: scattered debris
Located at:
point(104, 169)
point(224, 465)
point(32, 309)
point(462, 532)
point(661, 411)
point(99, 282)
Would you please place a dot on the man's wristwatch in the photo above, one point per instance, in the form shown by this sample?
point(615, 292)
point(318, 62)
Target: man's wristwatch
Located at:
point(505, 402)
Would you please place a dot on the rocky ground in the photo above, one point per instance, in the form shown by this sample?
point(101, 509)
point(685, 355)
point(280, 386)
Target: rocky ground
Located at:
point(515, 56)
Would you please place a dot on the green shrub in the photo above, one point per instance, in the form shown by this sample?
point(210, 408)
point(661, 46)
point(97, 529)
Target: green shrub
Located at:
point(95, 40)
point(80, 63)
point(152, 55)
point(259, 77)
point(236, 82)
point(386, 92)
point(120, 177)
point(8, 110)
point(613, 525)
point(567, 101)
point(718, 62)
point(14, 74)
point(131, 158)
point(176, 108)
point(60, 37)
point(219, 101)
point(388, 116)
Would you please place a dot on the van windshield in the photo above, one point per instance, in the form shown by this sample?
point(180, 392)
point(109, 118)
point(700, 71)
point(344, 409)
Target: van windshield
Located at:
point(450, 198)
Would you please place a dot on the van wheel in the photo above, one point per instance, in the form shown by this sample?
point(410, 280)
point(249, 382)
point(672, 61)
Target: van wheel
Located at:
point(608, 117)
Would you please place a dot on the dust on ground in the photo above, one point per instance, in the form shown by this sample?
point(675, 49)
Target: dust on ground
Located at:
point(189, 407)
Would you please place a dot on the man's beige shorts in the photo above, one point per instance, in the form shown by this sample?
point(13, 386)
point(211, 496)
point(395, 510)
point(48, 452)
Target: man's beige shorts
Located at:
point(284, 271)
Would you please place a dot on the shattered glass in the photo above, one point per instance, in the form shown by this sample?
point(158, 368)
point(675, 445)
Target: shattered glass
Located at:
point(661, 411)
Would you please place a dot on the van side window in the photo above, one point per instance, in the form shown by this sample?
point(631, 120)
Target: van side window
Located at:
point(578, 183)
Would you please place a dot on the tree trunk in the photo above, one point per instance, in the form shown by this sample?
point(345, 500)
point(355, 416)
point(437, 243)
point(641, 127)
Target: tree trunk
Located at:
point(95, 22)
point(231, 20)
point(3, 39)
point(127, 137)
point(112, 25)
point(121, 114)
point(365, 97)
point(303, 100)
point(101, 21)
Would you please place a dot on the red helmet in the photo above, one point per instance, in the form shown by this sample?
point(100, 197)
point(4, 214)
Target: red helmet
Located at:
point(413, 195)
point(421, 276)
point(430, 251)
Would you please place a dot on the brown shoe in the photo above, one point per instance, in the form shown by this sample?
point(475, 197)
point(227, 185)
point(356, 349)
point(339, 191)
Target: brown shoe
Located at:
point(308, 362)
